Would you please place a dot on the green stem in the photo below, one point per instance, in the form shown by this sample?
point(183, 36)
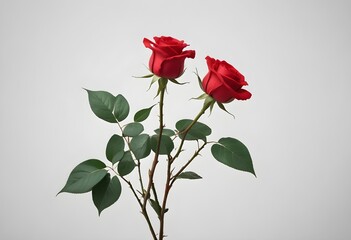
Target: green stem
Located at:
point(185, 132)
point(169, 181)
point(165, 197)
point(155, 161)
point(140, 176)
point(145, 213)
point(126, 139)
point(155, 193)
point(187, 164)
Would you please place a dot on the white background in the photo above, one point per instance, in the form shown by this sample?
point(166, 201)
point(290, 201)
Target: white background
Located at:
point(295, 56)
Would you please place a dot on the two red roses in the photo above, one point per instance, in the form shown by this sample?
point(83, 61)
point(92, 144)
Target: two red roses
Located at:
point(222, 82)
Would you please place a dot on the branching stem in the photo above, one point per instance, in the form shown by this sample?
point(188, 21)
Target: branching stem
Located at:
point(170, 180)
point(174, 177)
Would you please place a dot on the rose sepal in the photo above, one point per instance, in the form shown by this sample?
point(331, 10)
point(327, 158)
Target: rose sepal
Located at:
point(199, 80)
point(176, 82)
point(162, 85)
point(145, 76)
point(221, 106)
point(153, 80)
point(201, 97)
point(208, 103)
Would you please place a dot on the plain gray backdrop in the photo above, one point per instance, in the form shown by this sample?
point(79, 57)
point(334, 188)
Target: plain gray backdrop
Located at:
point(295, 56)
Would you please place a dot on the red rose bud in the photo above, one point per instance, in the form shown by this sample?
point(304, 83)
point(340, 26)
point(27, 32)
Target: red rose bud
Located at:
point(167, 59)
point(223, 82)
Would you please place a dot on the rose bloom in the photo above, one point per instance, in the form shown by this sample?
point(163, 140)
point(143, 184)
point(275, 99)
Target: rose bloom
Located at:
point(167, 59)
point(223, 82)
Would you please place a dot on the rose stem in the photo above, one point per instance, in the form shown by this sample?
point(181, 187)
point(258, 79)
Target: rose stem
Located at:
point(154, 163)
point(185, 132)
point(169, 184)
point(145, 214)
point(174, 177)
point(126, 139)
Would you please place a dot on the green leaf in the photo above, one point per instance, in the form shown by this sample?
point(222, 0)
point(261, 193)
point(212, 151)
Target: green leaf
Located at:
point(121, 108)
point(133, 129)
point(126, 165)
point(165, 131)
point(233, 153)
point(189, 175)
point(85, 176)
point(143, 114)
point(102, 103)
point(106, 192)
point(156, 206)
point(198, 130)
point(140, 146)
point(115, 148)
point(166, 146)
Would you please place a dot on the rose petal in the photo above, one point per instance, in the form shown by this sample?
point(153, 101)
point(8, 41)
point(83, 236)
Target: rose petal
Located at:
point(222, 95)
point(148, 43)
point(233, 83)
point(228, 70)
point(154, 48)
point(228, 81)
point(155, 63)
point(170, 45)
point(173, 67)
point(211, 82)
point(242, 94)
point(212, 63)
point(170, 41)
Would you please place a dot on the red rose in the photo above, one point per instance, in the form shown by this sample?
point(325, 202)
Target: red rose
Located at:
point(167, 59)
point(223, 82)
